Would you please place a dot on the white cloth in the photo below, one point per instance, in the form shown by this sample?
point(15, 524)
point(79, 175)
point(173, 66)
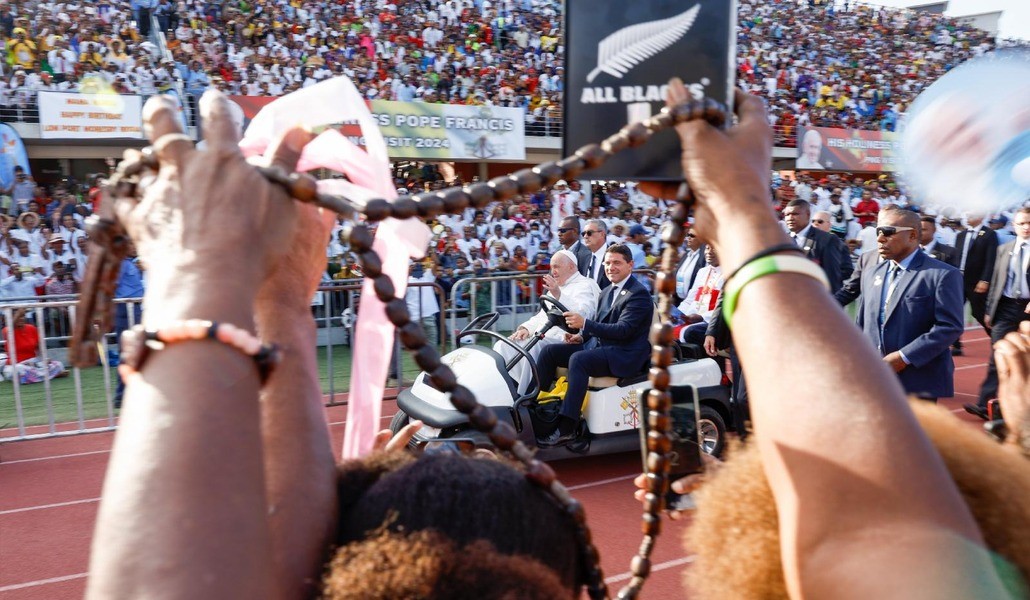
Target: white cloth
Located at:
point(421, 301)
point(704, 295)
point(580, 295)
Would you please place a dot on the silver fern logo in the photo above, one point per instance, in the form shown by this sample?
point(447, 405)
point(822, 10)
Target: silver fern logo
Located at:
point(630, 46)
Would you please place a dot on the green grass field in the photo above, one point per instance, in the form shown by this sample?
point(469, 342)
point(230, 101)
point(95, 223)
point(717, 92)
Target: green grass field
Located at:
point(94, 399)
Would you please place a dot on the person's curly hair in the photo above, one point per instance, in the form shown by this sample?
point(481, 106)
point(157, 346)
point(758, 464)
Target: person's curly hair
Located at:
point(442, 525)
point(735, 531)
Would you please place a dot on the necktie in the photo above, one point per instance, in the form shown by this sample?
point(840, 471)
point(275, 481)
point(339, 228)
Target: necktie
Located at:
point(965, 249)
point(608, 298)
point(1019, 272)
point(593, 260)
point(888, 289)
point(794, 236)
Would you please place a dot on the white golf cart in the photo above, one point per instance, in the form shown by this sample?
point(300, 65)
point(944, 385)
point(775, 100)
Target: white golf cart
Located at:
point(610, 414)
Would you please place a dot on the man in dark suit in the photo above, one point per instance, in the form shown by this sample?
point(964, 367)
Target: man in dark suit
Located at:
point(826, 249)
point(911, 307)
point(717, 338)
point(930, 245)
point(1008, 301)
point(568, 236)
point(976, 248)
point(595, 238)
point(690, 264)
point(614, 344)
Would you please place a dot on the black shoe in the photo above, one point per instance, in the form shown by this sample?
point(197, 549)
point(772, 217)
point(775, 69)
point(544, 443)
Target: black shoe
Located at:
point(956, 351)
point(556, 439)
point(975, 410)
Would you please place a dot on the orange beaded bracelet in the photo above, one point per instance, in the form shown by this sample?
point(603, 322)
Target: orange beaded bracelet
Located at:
point(136, 344)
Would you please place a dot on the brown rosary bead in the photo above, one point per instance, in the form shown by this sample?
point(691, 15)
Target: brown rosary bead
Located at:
point(665, 283)
point(638, 134)
point(411, 335)
point(659, 400)
point(549, 172)
point(463, 400)
point(590, 555)
point(616, 142)
point(443, 377)
point(125, 189)
point(397, 312)
point(656, 462)
point(427, 358)
point(403, 207)
point(575, 510)
point(680, 212)
point(650, 525)
point(527, 180)
point(540, 473)
point(647, 543)
point(681, 113)
point(504, 188)
point(429, 205)
point(655, 483)
point(593, 155)
point(673, 233)
point(360, 238)
point(131, 169)
point(503, 435)
point(641, 566)
point(454, 200)
point(480, 194)
point(715, 113)
point(659, 422)
point(377, 209)
point(660, 378)
point(383, 287)
point(661, 356)
point(653, 502)
point(482, 418)
point(572, 166)
point(658, 442)
point(662, 333)
point(663, 120)
point(371, 264)
point(303, 187)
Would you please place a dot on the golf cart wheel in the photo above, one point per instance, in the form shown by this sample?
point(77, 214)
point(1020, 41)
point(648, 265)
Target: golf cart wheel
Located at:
point(711, 431)
point(399, 421)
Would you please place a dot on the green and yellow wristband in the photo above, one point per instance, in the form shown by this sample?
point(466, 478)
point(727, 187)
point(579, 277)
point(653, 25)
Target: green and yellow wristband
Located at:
point(763, 265)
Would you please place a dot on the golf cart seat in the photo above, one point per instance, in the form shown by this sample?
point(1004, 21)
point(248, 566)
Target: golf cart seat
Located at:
point(600, 383)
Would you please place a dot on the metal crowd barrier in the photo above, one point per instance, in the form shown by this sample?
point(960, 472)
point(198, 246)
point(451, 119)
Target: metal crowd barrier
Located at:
point(87, 405)
point(52, 408)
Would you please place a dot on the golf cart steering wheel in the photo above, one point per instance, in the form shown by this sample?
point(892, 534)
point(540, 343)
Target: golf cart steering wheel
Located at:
point(555, 314)
point(534, 376)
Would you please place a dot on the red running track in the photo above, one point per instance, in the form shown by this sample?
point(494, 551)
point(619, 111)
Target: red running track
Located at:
point(50, 489)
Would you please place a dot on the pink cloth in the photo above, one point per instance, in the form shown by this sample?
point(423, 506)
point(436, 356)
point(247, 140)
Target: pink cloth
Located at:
point(328, 103)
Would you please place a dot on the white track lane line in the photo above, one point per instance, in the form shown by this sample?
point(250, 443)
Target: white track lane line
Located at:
point(46, 506)
point(28, 584)
point(602, 482)
point(669, 564)
point(25, 460)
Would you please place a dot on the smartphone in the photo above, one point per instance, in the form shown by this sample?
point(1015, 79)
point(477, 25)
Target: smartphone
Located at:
point(685, 455)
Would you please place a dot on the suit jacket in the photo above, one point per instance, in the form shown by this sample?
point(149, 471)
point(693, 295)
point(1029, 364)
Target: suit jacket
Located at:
point(601, 278)
point(980, 260)
point(923, 319)
point(852, 288)
point(621, 332)
point(701, 261)
point(945, 253)
point(830, 253)
point(717, 327)
point(583, 255)
point(1000, 277)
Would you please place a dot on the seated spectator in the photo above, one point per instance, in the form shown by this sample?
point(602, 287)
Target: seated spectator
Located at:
point(22, 361)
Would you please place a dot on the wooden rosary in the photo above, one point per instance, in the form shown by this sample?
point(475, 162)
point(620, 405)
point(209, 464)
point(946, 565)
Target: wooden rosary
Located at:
point(110, 245)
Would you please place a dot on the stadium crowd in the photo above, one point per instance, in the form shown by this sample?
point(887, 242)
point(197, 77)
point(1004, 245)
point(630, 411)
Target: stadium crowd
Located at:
point(496, 52)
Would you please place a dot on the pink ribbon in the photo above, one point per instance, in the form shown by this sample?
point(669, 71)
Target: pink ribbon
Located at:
point(333, 102)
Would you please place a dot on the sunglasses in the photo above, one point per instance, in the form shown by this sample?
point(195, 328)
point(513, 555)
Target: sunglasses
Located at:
point(691, 235)
point(589, 233)
point(818, 221)
point(564, 229)
point(887, 231)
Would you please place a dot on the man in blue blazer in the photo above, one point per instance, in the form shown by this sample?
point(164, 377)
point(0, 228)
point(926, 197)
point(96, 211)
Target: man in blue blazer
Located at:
point(911, 307)
point(615, 344)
